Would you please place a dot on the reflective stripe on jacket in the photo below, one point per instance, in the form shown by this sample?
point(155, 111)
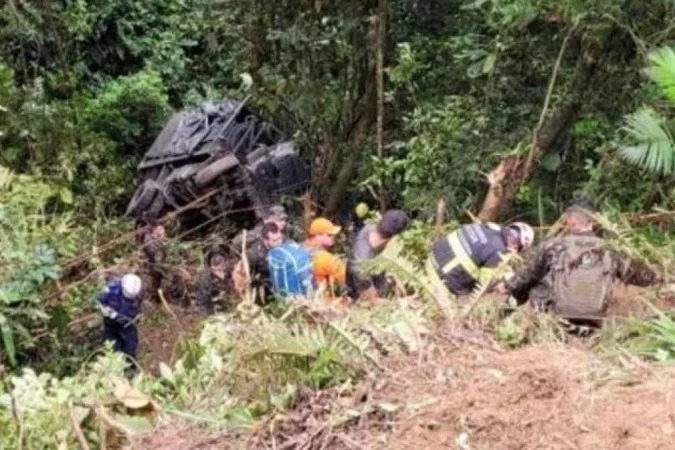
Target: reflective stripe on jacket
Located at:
point(468, 255)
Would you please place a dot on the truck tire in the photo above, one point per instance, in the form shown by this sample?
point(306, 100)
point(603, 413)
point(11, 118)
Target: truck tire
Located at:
point(143, 198)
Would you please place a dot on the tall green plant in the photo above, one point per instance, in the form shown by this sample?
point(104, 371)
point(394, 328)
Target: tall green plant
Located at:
point(653, 147)
point(27, 256)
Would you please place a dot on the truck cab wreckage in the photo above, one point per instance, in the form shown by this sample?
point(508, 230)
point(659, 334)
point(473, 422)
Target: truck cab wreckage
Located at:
point(224, 149)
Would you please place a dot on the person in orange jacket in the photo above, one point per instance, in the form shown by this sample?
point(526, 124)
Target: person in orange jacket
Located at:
point(329, 270)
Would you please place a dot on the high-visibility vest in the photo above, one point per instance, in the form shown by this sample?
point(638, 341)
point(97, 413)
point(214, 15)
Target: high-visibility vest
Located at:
point(468, 255)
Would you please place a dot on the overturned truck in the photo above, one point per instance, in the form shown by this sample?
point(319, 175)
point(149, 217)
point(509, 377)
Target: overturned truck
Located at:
point(219, 165)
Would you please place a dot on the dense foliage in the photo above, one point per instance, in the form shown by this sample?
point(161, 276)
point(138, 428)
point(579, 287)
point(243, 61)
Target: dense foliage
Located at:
point(585, 87)
point(86, 85)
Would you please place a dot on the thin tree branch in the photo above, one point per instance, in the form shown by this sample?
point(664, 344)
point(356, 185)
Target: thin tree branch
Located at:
point(549, 94)
point(381, 31)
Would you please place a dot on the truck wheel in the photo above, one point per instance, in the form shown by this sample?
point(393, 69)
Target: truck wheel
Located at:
point(143, 197)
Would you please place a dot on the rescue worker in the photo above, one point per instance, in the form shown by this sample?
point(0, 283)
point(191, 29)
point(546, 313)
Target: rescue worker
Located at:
point(329, 271)
point(152, 243)
point(369, 243)
point(256, 257)
point(573, 275)
point(277, 215)
point(120, 304)
point(213, 285)
point(472, 253)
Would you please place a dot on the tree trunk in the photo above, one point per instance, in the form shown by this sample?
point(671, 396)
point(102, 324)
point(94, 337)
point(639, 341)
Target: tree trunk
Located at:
point(358, 138)
point(381, 38)
point(505, 180)
point(256, 33)
point(515, 170)
point(365, 112)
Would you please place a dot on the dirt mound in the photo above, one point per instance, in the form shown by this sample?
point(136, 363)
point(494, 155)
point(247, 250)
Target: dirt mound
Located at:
point(462, 391)
point(160, 332)
point(629, 301)
point(536, 397)
point(181, 437)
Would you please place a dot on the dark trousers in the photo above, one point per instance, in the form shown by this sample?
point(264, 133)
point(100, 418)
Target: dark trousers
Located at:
point(156, 277)
point(123, 336)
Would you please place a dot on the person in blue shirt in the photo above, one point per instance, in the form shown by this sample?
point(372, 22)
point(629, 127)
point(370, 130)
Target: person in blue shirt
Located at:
point(120, 304)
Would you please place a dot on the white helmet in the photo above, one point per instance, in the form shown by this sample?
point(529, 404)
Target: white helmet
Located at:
point(525, 232)
point(131, 285)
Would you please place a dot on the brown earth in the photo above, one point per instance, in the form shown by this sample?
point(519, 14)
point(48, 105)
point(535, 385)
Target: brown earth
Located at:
point(535, 397)
point(181, 436)
point(462, 391)
point(160, 331)
point(630, 300)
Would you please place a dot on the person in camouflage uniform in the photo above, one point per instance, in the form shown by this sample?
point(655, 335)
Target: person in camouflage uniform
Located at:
point(256, 257)
point(213, 285)
point(547, 280)
point(276, 215)
point(151, 238)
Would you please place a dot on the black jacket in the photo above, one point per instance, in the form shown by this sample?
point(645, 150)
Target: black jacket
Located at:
point(461, 258)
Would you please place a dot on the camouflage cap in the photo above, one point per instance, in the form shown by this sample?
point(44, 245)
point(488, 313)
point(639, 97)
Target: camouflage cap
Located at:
point(582, 205)
point(278, 212)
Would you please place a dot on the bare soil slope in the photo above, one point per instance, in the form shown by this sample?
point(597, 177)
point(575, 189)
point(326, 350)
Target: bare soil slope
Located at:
point(554, 398)
point(461, 391)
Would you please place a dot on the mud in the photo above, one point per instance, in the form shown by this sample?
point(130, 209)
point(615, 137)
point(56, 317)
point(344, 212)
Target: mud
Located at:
point(162, 331)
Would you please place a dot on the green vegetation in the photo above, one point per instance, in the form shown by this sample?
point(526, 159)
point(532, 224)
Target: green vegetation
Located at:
point(238, 370)
point(573, 96)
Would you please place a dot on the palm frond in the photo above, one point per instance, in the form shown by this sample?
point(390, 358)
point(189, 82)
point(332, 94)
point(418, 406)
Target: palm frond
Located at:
point(662, 70)
point(654, 149)
point(486, 283)
point(421, 280)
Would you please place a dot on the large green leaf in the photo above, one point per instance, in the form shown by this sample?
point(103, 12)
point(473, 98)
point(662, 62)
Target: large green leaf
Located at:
point(662, 70)
point(654, 149)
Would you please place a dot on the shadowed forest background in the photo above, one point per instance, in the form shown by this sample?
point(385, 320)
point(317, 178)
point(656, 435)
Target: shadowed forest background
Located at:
point(86, 86)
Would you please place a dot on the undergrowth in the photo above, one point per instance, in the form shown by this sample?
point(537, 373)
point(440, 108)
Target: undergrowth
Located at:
point(249, 364)
point(242, 367)
point(514, 327)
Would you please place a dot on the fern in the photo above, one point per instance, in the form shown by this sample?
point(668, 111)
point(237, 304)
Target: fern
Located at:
point(422, 281)
point(654, 149)
point(485, 284)
point(627, 241)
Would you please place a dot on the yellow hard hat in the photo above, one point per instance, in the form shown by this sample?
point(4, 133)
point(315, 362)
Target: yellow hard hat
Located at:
point(361, 210)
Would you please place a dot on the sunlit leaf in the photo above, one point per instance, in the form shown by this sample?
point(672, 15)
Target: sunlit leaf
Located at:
point(66, 195)
point(654, 149)
point(129, 396)
point(662, 70)
point(166, 372)
point(489, 63)
point(133, 425)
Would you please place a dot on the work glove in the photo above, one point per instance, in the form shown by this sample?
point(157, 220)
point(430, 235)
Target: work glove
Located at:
point(108, 312)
